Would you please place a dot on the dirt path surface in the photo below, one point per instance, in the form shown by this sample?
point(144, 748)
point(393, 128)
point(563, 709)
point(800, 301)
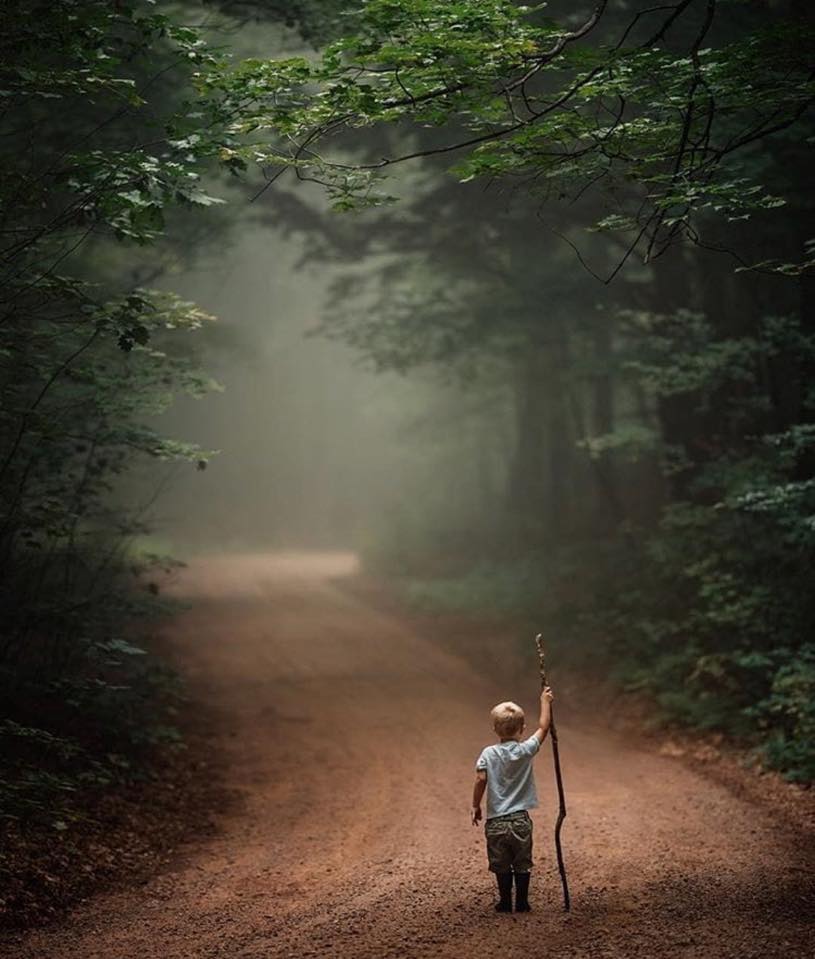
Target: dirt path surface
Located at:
point(351, 740)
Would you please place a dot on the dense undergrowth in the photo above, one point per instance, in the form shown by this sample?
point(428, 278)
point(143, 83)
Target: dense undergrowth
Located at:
point(84, 707)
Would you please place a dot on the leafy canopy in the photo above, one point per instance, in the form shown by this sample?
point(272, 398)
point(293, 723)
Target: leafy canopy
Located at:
point(654, 105)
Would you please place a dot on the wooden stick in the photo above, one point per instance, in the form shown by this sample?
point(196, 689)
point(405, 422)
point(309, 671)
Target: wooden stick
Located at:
point(558, 779)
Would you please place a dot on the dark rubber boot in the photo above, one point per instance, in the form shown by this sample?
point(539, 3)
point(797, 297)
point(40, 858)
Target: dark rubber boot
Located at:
point(521, 892)
point(504, 891)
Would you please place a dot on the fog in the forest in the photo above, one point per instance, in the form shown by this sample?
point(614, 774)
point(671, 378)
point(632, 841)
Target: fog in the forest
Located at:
point(315, 447)
point(308, 439)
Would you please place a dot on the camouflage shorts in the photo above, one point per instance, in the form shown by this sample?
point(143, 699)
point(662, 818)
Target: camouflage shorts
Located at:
point(509, 842)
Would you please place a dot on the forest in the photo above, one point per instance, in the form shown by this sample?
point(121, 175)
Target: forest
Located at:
point(562, 266)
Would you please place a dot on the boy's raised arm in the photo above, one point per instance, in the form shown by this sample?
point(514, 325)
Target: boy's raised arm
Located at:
point(545, 720)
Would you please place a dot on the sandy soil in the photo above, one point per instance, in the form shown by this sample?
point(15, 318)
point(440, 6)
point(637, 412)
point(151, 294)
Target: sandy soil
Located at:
point(350, 741)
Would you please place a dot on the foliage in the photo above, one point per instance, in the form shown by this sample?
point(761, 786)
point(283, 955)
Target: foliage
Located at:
point(102, 139)
point(788, 711)
point(719, 626)
point(657, 105)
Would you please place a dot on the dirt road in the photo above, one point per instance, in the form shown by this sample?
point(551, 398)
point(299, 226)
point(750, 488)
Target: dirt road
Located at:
point(351, 740)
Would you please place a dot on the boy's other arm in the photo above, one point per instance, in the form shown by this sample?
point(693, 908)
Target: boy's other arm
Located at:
point(478, 791)
point(545, 720)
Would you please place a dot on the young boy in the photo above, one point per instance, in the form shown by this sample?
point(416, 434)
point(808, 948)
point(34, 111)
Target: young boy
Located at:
point(505, 772)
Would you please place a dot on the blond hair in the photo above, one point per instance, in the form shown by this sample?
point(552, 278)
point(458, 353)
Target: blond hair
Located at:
point(507, 719)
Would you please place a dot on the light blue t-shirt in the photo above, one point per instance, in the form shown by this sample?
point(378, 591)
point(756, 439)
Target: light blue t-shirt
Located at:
point(510, 783)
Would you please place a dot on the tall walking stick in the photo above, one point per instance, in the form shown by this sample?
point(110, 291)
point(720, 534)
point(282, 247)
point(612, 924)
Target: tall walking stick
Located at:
point(559, 779)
